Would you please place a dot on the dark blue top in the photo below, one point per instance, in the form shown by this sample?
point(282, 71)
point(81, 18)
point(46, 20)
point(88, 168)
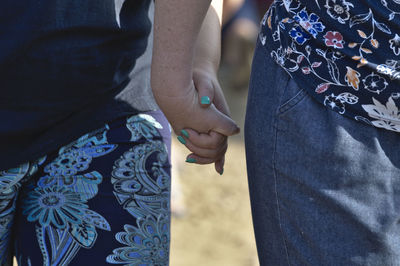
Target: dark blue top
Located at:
point(345, 53)
point(62, 62)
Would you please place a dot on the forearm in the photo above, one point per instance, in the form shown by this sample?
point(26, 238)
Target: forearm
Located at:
point(208, 45)
point(177, 24)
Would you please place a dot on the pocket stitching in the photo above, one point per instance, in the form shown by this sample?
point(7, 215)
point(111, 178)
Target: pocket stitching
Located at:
point(292, 102)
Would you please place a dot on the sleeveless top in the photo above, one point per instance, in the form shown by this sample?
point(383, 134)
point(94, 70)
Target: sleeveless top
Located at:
point(67, 67)
point(344, 53)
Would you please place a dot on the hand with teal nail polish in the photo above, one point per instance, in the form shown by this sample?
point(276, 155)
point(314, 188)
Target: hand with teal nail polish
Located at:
point(190, 160)
point(185, 133)
point(206, 148)
point(181, 140)
point(205, 100)
point(184, 79)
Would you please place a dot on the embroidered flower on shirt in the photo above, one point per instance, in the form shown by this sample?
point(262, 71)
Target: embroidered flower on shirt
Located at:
point(368, 65)
point(334, 39)
point(388, 116)
point(374, 83)
point(395, 44)
point(334, 55)
point(337, 102)
point(286, 59)
point(333, 102)
point(309, 22)
point(338, 10)
point(299, 35)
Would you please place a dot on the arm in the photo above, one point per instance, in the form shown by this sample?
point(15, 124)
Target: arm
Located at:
point(208, 45)
point(177, 25)
point(205, 68)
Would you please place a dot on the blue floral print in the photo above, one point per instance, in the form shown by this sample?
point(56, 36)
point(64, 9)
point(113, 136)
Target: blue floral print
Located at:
point(59, 202)
point(309, 23)
point(142, 186)
point(146, 244)
point(299, 35)
point(62, 191)
point(10, 183)
point(142, 126)
point(54, 206)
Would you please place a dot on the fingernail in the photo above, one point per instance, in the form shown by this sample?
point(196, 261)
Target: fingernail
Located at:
point(190, 160)
point(205, 100)
point(185, 133)
point(181, 140)
point(222, 171)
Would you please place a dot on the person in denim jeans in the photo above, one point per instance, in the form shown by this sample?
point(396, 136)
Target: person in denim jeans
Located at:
point(322, 129)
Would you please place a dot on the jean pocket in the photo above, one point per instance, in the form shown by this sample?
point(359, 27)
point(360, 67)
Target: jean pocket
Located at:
point(292, 95)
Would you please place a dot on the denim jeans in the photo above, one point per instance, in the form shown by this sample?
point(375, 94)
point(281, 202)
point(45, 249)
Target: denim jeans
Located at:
point(324, 189)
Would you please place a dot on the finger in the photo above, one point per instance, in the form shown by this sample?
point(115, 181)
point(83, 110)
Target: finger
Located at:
point(214, 154)
point(219, 99)
point(205, 90)
point(222, 123)
point(218, 144)
point(193, 158)
point(202, 140)
point(219, 165)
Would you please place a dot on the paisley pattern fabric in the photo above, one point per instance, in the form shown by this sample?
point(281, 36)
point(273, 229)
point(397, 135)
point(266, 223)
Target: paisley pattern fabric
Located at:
point(345, 53)
point(102, 199)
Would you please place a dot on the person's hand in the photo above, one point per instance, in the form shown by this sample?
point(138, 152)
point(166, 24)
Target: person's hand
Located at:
point(203, 129)
point(207, 148)
point(184, 111)
point(172, 75)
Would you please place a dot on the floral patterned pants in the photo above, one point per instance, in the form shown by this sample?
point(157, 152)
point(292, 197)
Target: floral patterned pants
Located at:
point(102, 199)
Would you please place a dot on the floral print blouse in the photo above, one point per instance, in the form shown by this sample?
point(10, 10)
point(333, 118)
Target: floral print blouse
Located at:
point(345, 53)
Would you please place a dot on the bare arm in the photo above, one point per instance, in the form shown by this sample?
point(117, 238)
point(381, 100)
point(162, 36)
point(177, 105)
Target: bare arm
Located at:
point(184, 46)
point(176, 27)
point(208, 45)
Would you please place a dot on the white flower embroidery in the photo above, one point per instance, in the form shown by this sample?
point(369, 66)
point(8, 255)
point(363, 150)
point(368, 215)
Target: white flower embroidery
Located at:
point(375, 83)
point(388, 116)
point(339, 10)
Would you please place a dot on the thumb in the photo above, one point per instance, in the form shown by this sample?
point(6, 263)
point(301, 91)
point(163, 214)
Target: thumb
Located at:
point(222, 123)
point(205, 90)
point(219, 100)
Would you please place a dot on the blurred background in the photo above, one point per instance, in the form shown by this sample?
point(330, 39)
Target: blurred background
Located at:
point(211, 221)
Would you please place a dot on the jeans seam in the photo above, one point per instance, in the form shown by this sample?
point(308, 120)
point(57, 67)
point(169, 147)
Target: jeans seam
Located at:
point(292, 102)
point(275, 185)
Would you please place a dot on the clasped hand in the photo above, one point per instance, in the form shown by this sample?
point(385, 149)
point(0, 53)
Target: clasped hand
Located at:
point(201, 118)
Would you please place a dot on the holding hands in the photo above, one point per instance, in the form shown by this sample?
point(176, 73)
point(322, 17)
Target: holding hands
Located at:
point(185, 62)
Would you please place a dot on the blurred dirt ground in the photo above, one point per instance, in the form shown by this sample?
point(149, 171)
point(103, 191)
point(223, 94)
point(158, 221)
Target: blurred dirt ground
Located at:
point(216, 229)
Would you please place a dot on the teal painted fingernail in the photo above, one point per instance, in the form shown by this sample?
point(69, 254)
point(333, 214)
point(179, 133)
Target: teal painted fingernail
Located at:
point(205, 100)
point(222, 171)
point(181, 140)
point(185, 133)
point(190, 160)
